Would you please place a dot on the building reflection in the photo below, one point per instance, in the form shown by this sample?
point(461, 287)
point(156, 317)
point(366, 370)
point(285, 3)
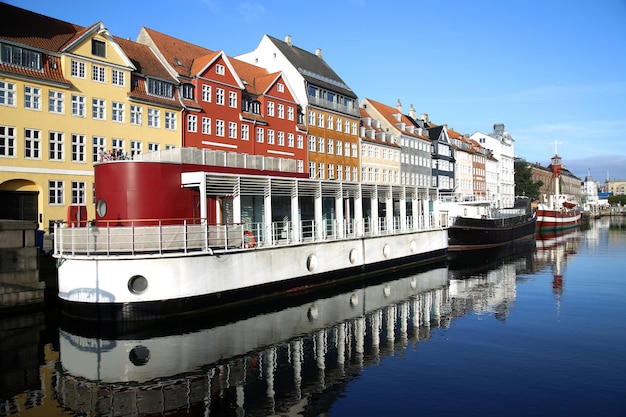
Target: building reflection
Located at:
point(291, 359)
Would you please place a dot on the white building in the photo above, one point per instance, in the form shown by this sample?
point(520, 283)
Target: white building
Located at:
point(502, 146)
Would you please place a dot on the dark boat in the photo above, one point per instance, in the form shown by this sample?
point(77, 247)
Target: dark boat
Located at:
point(474, 225)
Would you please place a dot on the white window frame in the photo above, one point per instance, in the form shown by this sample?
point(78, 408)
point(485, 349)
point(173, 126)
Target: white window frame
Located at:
point(206, 125)
point(79, 144)
point(232, 99)
point(8, 142)
point(192, 123)
point(170, 120)
point(78, 69)
point(219, 96)
point(98, 73)
point(154, 117)
point(118, 77)
point(56, 102)
point(32, 97)
point(232, 130)
point(32, 143)
point(79, 105)
point(98, 148)
point(136, 115)
point(117, 112)
point(98, 108)
point(7, 94)
point(245, 132)
point(56, 193)
point(206, 93)
point(219, 128)
point(79, 192)
point(56, 146)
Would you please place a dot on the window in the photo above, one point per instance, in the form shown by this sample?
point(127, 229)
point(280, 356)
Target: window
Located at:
point(98, 108)
point(311, 169)
point(320, 170)
point(98, 48)
point(55, 146)
point(270, 108)
point(32, 144)
point(353, 128)
point(320, 120)
point(136, 114)
point(300, 165)
point(347, 178)
point(346, 128)
point(7, 94)
point(329, 122)
point(354, 174)
point(300, 142)
point(232, 99)
point(320, 145)
point(154, 118)
point(346, 149)
point(153, 147)
point(245, 132)
point(78, 192)
point(170, 120)
point(232, 130)
point(32, 98)
point(192, 123)
point(281, 138)
point(160, 88)
point(259, 135)
point(55, 101)
point(21, 57)
point(339, 172)
point(270, 136)
point(206, 125)
point(98, 147)
point(281, 111)
point(280, 87)
point(219, 127)
point(55, 193)
point(118, 77)
point(78, 148)
point(219, 96)
point(330, 144)
point(135, 147)
point(339, 148)
point(7, 141)
point(311, 143)
point(290, 113)
point(78, 69)
point(117, 112)
point(117, 147)
point(354, 151)
point(311, 118)
point(97, 73)
point(206, 93)
point(188, 91)
point(78, 105)
point(219, 69)
point(290, 140)
point(339, 124)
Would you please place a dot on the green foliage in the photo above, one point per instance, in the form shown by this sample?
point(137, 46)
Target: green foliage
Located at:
point(524, 184)
point(617, 199)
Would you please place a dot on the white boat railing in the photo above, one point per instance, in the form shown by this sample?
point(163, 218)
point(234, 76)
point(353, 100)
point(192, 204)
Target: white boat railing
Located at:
point(133, 237)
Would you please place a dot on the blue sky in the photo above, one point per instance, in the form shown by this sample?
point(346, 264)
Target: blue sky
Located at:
point(553, 71)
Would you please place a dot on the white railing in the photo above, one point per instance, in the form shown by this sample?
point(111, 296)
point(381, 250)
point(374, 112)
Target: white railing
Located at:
point(193, 235)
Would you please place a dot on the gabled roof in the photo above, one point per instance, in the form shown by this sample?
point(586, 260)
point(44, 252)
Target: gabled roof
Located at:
point(313, 68)
point(35, 30)
point(255, 79)
point(371, 124)
point(144, 59)
point(393, 116)
point(180, 55)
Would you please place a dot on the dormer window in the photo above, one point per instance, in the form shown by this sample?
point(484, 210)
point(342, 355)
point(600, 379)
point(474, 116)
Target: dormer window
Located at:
point(160, 88)
point(98, 48)
point(21, 57)
point(219, 69)
point(280, 87)
point(187, 91)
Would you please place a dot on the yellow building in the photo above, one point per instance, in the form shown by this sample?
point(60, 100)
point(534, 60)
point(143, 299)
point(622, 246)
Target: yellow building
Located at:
point(71, 96)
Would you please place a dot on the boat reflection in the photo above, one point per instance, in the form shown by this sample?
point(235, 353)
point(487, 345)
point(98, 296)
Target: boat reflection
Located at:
point(554, 250)
point(296, 359)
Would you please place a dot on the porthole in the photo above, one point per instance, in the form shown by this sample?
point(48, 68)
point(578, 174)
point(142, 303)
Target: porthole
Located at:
point(312, 313)
point(311, 263)
point(352, 256)
point(354, 300)
point(101, 207)
point(139, 355)
point(413, 246)
point(386, 251)
point(137, 284)
point(387, 290)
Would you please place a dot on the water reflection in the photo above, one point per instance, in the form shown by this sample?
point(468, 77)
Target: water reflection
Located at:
point(296, 358)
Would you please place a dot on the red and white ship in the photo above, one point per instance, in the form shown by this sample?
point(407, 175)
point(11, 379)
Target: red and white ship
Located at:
point(559, 213)
point(188, 229)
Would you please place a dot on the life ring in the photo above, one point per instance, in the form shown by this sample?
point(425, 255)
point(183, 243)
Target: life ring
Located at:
point(248, 239)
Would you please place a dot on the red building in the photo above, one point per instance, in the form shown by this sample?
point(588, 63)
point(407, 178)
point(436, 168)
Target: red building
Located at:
point(230, 105)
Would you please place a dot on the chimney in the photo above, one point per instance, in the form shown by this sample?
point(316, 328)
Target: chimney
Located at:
point(288, 40)
point(425, 117)
point(399, 106)
point(412, 113)
point(318, 52)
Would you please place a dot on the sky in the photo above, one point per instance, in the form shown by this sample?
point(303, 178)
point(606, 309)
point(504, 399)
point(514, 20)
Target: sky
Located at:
point(553, 71)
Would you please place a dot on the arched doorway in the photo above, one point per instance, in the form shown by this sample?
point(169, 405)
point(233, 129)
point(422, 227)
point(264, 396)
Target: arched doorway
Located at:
point(21, 200)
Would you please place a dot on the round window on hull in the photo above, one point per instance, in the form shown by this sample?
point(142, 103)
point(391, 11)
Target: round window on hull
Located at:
point(137, 284)
point(101, 207)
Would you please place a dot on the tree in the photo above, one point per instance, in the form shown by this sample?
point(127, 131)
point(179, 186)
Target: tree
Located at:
point(524, 184)
point(617, 199)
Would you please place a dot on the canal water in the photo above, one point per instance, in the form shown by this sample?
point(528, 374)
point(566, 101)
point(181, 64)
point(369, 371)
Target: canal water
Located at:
point(538, 329)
